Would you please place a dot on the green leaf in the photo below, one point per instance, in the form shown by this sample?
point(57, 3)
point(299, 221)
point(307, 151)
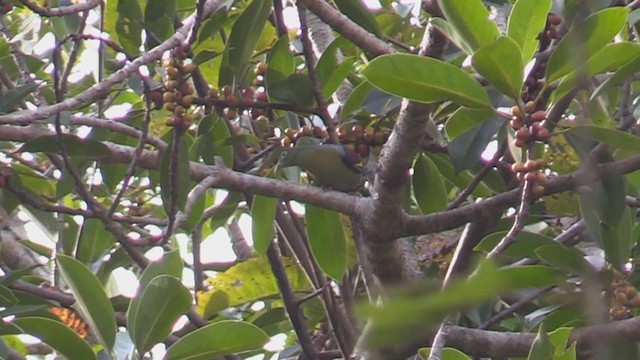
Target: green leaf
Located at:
point(10, 100)
point(246, 282)
point(128, 28)
point(263, 213)
point(92, 301)
point(12, 276)
point(212, 25)
point(280, 62)
point(330, 72)
point(327, 240)
point(569, 354)
point(7, 298)
point(425, 79)
point(528, 18)
point(584, 40)
point(471, 20)
point(95, 241)
point(465, 150)
point(225, 209)
point(360, 14)
point(75, 146)
point(465, 119)
point(610, 58)
point(559, 338)
point(57, 335)
point(222, 338)
point(158, 19)
point(621, 75)
point(460, 179)
point(355, 100)
point(617, 242)
point(196, 213)
point(445, 27)
point(179, 165)
point(616, 139)
point(447, 354)
point(212, 131)
point(428, 187)
point(564, 258)
point(401, 318)
point(169, 264)
point(242, 41)
point(541, 349)
point(500, 62)
point(165, 299)
point(524, 245)
point(295, 89)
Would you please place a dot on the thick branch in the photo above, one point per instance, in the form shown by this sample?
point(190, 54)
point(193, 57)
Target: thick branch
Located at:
point(347, 28)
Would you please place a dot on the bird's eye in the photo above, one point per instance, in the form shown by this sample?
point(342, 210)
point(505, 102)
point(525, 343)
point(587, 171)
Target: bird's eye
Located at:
point(283, 155)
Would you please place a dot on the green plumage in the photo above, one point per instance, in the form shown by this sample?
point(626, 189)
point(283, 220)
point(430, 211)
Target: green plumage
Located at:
point(329, 165)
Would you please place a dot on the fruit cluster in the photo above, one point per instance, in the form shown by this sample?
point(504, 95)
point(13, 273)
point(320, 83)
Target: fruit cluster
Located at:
point(5, 7)
point(534, 81)
point(260, 70)
point(292, 135)
point(532, 171)
point(364, 139)
point(624, 296)
point(237, 104)
point(553, 21)
point(358, 138)
point(527, 126)
point(178, 92)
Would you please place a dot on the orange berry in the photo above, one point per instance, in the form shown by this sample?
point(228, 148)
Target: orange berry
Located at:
point(537, 190)
point(516, 123)
point(515, 110)
point(517, 167)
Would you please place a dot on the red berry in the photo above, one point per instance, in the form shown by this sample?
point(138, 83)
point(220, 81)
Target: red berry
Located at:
point(554, 19)
point(227, 91)
point(231, 100)
point(523, 134)
point(261, 96)
point(543, 134)
point(538, 116)
point(6, 8)
point(357, 131)
point(531, 176)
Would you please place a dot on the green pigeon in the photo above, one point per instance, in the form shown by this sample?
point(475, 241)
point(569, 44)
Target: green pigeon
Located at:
point(330, 165)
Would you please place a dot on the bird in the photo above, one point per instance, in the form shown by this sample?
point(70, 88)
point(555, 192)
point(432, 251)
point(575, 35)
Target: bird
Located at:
point(330, 165)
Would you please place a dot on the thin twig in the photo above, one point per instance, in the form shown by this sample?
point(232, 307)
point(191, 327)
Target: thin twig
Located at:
point(141, 143)
point(518, 224)
point(73, 55)
point(316, 87)
point(18, 56)
point(60, 11)
point(293, 309)
point(515, 307)
point(486, 169)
